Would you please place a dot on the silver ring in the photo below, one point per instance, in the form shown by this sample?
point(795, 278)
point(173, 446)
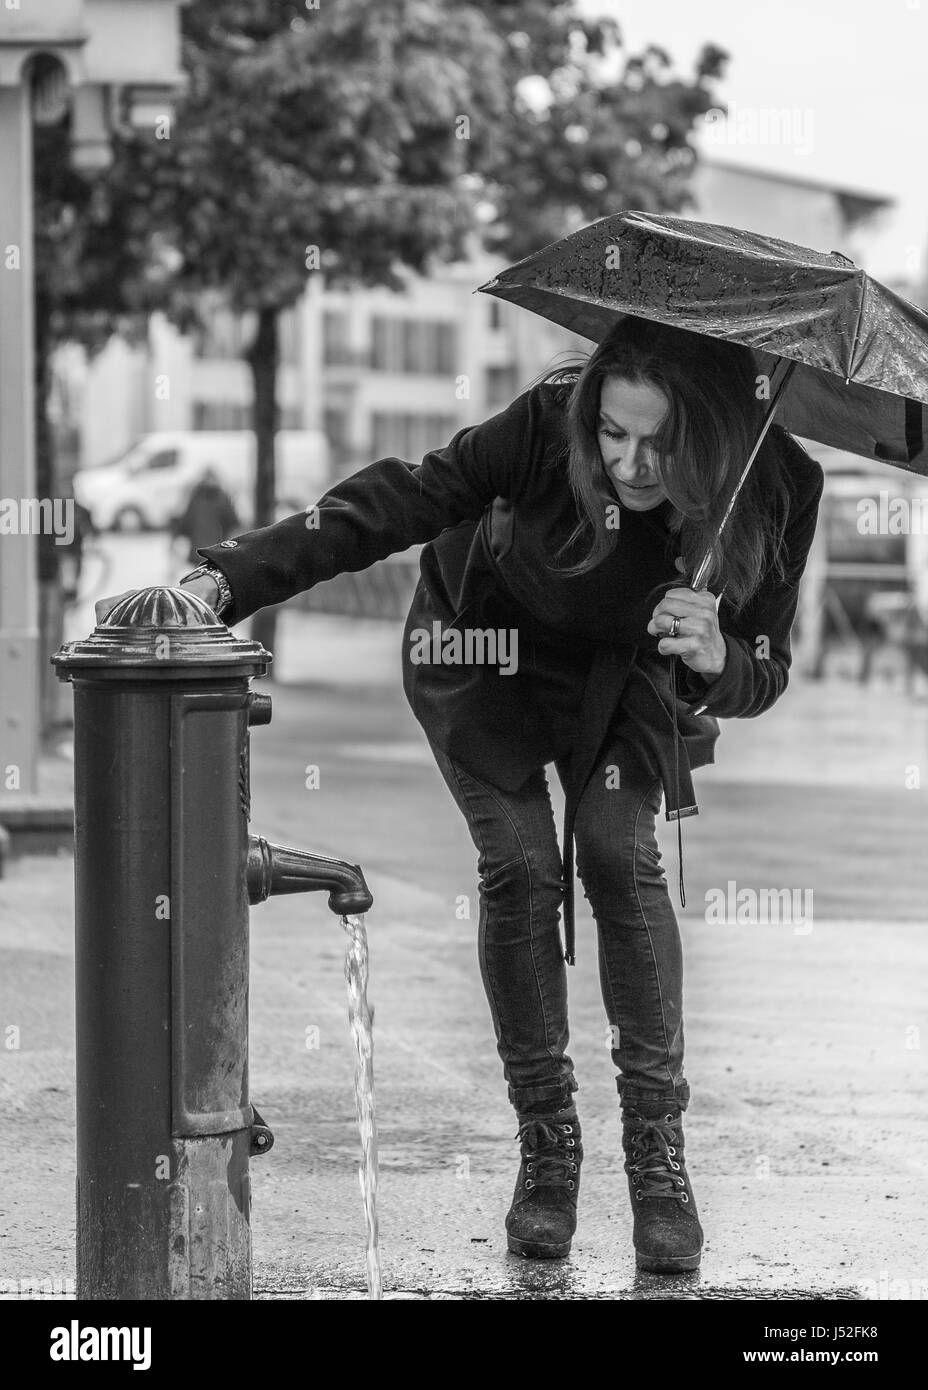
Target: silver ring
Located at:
point(674, 628)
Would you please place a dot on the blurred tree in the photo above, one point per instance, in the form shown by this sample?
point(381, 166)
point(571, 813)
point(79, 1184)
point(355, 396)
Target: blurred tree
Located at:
point(590, 129)
point(358, 140)
point(317, 139)
point(95, 273)
point(94, 276)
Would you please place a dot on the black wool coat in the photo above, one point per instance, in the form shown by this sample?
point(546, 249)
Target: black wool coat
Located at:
point(493, 506)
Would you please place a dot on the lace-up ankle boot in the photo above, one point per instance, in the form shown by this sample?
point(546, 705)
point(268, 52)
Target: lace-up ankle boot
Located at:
point(543, 1217)
point(668, 1237)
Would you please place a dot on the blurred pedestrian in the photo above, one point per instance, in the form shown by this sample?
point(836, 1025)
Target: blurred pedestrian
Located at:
point(208, 517)
point(72, 556)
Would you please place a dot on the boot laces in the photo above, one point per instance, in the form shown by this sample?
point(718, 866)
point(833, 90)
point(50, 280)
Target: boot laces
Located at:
point(652, 1161)
point(549, 1152)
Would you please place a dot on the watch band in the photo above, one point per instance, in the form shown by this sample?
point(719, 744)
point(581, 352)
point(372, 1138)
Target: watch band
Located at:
point(224, 601)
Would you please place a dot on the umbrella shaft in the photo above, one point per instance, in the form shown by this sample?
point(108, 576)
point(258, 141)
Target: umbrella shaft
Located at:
point(699, 579)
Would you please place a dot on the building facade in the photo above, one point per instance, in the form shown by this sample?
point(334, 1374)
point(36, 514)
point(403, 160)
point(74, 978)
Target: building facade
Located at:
point(385, 373)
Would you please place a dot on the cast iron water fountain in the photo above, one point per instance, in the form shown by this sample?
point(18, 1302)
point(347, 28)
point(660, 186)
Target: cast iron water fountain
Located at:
point(163, 709)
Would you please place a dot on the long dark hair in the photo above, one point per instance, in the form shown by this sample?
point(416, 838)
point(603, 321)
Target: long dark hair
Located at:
point(715, 410)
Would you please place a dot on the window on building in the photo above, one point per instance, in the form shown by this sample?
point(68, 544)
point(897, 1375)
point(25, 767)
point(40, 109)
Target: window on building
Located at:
point(501, 386)
point(226, 336)
point(383, 435)
point(232, 415)
point(335, 346)
point(412, 345)
point(409, 436)
point(222, 334)
point(380, 344)
point(289, 337)
point(422, 347)
point(220, 415)
point(335, 427)
point(335, 424)
point(447, 354)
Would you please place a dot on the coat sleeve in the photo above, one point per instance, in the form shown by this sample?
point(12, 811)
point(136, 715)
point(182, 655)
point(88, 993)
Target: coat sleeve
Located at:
point(758, 640)
point(379, 510)
point(382, 509)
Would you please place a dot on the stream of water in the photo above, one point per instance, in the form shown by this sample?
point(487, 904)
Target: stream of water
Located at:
point(359, 1016)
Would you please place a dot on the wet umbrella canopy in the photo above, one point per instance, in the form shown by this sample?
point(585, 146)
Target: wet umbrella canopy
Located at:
point(860, 376)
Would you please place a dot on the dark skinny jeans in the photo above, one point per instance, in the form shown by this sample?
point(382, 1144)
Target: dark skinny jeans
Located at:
point(519, 942)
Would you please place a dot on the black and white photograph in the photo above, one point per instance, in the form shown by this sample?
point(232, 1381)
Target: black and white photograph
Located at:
point(464, 667)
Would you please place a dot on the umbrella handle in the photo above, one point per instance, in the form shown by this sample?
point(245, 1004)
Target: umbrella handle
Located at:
point(701, 575)
point(647, 642)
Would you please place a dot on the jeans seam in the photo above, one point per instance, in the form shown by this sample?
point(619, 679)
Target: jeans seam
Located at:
point(528, 874)
point(652, 854)
point(606, 974)
point(657, 973)
point(518, 859)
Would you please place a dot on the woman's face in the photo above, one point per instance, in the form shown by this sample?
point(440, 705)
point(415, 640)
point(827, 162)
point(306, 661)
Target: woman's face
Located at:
point(630, 415)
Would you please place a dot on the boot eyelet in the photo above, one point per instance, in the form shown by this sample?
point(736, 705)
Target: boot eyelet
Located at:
point(529, 1167)
point(684, 1198)
point(529, 1184)
point(671, 1150)
point(567, 1129)
point(675, 1166)
point(668, 1119)
point(573, 1167)
point(571, 1185)
point(638, 1196)
point(570, 1143)
point(680, 1181)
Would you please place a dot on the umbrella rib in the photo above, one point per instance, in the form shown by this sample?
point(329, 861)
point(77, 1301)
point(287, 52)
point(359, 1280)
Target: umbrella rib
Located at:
point(860, 316)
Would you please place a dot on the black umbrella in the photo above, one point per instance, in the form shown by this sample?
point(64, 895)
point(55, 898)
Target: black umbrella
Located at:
point(846, 357)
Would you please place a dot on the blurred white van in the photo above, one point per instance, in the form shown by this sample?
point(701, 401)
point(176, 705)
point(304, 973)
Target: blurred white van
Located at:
point(148, 485)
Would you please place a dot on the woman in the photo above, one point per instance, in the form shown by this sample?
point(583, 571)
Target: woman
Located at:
point(559, 531)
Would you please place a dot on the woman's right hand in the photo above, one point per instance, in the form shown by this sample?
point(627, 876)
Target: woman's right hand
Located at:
point(104, 605)
point(203, 587)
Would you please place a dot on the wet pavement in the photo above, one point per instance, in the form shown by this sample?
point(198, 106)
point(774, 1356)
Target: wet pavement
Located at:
point(806, 1048)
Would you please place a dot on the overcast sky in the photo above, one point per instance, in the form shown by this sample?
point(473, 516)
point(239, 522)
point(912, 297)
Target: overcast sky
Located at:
point(853, 72)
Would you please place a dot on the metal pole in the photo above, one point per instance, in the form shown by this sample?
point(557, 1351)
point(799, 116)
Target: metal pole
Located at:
point(19, 630)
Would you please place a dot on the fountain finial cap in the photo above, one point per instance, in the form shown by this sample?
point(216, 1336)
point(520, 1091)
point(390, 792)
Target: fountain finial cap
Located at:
point(161, 630)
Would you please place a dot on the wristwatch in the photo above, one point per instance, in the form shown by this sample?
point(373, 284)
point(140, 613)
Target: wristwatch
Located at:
point(213, 572)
